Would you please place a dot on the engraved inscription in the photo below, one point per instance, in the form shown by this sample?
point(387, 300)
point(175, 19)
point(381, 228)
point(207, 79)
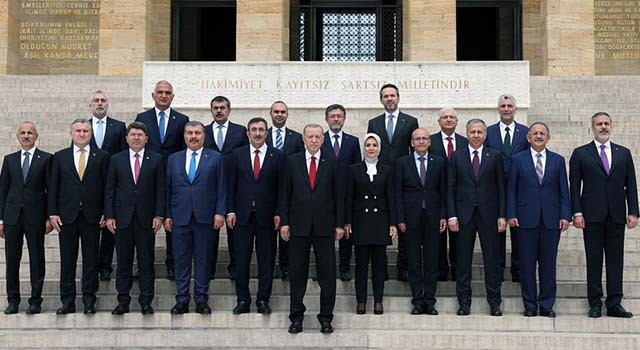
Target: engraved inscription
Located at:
point(617, 37)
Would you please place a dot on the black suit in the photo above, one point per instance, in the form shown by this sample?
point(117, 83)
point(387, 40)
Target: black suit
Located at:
point(79, 204)
point(173, 142)
point(390, 152)
point(23, 211)
point(420, 207)
point(446, 260)
point(604, 200)
point(292, 144)
point(313, 215)
point(477, 203)
point(133, 206)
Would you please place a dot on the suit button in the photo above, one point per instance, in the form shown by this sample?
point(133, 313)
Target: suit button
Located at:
point(375, 210)
point(366, 210)
point(366, 197)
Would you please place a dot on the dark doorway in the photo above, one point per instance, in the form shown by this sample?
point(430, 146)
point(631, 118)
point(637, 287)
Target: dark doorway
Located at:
point(203, 31)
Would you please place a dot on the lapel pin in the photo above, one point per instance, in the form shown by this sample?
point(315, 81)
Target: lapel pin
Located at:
point(38, 156)
point(173, 117)
point(147, 157)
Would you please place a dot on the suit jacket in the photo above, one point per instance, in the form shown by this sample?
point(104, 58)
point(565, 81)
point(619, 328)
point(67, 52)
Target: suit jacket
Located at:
point(247, 195)
point(439, 148)
point(410, 193)
point(370, 205)
point(349, 153)
point(465, 192)
point(68, 194)
point(123, 197)
point(174, 135)
point(400, 144)
point(518, 142)
point(594, 193)
point(236, 137)
point(114, 136)
point(205, 197)
point(292, 142)
point(30, 195)
point(530, 201)
point(303, 208)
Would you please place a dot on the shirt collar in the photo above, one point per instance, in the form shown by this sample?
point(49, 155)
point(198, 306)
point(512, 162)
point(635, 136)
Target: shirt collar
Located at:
point(534, 152)
point(444, 136)
point(511, 126)
point(598, 144)
point(225, 125)
point(87, 148)
point(308, 155)
point(198, 151)
point(31, 151)
point(132, 153)
point(167, 112)
point(395, 113)
point(332, 134)
point(416, 156)
point(262, 149)
point(479, 149)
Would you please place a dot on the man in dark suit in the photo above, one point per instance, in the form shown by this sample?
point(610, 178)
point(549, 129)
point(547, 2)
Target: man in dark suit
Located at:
point(289, 142)
point(394, 129)
point(165, 127)
point(604, 197)
point(508, 138)
point(476, 203)
point(134, 212)
point(312, 214)
point(75, 206)
point(108, 135)
point(444, 143)
point(538, 204)
point(254, 177)
point(420, 189)
point(223, 137)
point(23, 212)
point(196, 205)
point(346, 149)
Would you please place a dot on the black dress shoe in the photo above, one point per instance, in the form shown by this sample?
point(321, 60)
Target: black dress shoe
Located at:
point(171, 274)
point(34, 309)
point(11, 309)
point(66, 309)
point(430, 310)
point(203, 309)
point(417, 310)
point(495, 310)
point(531, 313)
point(263, 307)
point(295, 327)
point(146, 309)
point(120, 309)
point(464, 310)
point(241, 308)
point(325, 328)
point(378, 309)
point(547, 313)
point(89, 309)
point(361, 309)
point(619, 311)
point(595, 312)
point(403, 276)
point(180, 308)
point(345, 276)
point(105, 275)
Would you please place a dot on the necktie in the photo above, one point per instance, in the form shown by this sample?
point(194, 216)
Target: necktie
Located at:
point(192, 167)
point(256, 165)
point(312, 172)
point(279, 142)
point(539, 167)
point(423, 171)
point(81, 164)
point(449, 147)
point(336, 145)
point(136, 167)
point(161, 125)
point(100, 134)
point(390, 127)
point(25, 166)
point(605, 160)
point(220, 138)
point(507, 140)
point(476, 164)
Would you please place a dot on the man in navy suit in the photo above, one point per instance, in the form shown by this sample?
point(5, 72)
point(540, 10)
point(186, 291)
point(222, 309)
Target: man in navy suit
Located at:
point(254, 177)
point(420, 188)
point(196, 205)
point(394, 129)
point(165, 127)
point(134, 210)
point(346, 149)
point(23, 213)
point(444, 143)
point(604, 197)
point(223, 137)
point(109, 136)
point(509, 138)
point(289, 142)
point(476, 203)
point(538, 204)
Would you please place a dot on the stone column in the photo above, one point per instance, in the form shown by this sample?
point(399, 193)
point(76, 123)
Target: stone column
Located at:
point(429, 32)
point(567, 38)
point(262, 30)
point(9, 33)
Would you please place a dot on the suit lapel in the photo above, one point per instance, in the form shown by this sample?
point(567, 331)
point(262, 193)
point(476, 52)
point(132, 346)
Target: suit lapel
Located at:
point(531, 169)
point(305, 171)
point(320, 171)
point(414, 169)
point(549, 166)
point(615, 157)
point(204, 158)
point(486, 158)
point(268, 157)
point(593, 151)
point(171, 124)
point(91, 159)
point(108, 133)
point(401, 124)
point(35, 162)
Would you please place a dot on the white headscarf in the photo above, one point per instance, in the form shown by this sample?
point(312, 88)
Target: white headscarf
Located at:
point(371, 162)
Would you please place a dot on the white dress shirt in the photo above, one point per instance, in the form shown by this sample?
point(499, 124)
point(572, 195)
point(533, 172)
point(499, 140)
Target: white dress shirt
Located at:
point(76, 155)
point(31, 151)
point(543, 158)
point(167, 115)
point(188, 160)
point(274, 134)
point(132, 161)
point(471, 149)
point(445, 142)
point(416, 158)
point(395, 114)
point(503, 132)
point(308, 155)
point(333, 139)
point(261, 155)
point(94, 122)
point(225, 128)
point(607, 150)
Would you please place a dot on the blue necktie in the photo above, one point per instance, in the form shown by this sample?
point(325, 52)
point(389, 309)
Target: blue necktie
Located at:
point(25, 166)
point(161, 126)
point(192, 167)
point(100, 134)
point(279, 142)
point(220, 138)
point(390, 127)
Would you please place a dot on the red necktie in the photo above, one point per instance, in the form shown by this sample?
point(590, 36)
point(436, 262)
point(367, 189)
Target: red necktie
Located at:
point(312, 171)
point(256, 166)
point(449, 147)
point(136, 168)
